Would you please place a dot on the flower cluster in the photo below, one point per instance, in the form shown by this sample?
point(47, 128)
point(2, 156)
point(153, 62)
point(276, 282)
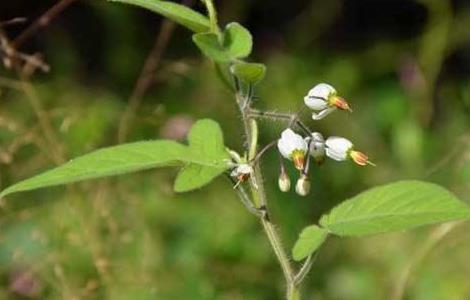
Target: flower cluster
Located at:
point(323, 99)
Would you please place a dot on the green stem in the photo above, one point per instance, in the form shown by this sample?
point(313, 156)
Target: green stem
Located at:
point(212, 16)
point(260, 202)
point(293, 293)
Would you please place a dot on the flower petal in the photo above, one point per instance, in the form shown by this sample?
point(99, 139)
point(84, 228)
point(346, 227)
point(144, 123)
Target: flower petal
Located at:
point(322, 90)
point(337, 148)
point(315, 103)
point(290, 142)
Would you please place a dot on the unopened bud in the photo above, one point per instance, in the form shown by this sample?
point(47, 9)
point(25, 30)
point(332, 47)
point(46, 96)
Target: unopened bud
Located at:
point(284, 182)
point(303, 186)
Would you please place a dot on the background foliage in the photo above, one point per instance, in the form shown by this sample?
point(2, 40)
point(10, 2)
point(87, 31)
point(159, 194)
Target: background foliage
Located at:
point(403, 65)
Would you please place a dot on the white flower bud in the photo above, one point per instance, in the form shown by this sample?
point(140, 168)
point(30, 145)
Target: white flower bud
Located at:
point(293, 147)
point(302, 187)
point(284, 182)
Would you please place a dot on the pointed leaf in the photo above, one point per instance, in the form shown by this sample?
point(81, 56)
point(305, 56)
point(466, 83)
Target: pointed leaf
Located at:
point(310, 239)
point(397, 206)
point(110, 161)
point(181, 14)
point(204, 159)
point(249, 72)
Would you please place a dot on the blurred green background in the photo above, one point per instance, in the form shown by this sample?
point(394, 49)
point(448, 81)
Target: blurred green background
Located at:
point(403, 65)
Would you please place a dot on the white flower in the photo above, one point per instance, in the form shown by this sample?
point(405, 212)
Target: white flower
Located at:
point(242, 172)
point(293, 147)
point(324, 99)
point(317, 97)
point(317, 146)
point(340, 149)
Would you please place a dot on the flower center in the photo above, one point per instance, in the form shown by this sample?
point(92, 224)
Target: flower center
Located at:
point(298, 157)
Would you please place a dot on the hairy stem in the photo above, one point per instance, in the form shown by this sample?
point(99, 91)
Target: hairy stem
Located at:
point(259, 198)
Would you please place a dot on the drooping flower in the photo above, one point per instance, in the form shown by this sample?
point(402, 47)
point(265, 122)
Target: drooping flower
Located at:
point(341, 149)
point(293, 147)
point(324, 99)
point(302, 187)
point(317, 147)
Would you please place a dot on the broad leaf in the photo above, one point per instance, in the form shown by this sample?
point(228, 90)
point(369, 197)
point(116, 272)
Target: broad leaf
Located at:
point(181, 14)
point(116, 160)
point(206, 144)
point(249, 72)
point(237, 40)
point(397, 206)
point(310, 239)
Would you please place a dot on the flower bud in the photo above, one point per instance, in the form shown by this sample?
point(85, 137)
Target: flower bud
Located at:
point(284, 181)
point(302, 186)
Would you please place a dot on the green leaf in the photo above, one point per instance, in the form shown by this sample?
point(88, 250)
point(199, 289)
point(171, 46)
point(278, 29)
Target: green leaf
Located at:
point(397, 206)
point(210, 46)
point(310, 239)
point(203, 159)
point(249, 72)
point(181, 14)
point(195, 176)
point(237, 40)
point(236, 43)
point(110, 161)
point(206, 144)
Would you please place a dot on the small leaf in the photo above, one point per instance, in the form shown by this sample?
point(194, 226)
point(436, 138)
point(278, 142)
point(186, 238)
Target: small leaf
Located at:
point(237, 40)
point(210, 46)
point(310, 239)
point(181, 14)
point(397, 206)
point(206, 145)
point(249, 72)
point(236, 43)
point(110, 161)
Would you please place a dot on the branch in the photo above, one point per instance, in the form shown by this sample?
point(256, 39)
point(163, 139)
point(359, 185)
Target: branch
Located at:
point(147, 75)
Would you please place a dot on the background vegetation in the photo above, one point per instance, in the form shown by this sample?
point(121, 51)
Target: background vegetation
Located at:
point(404, 66)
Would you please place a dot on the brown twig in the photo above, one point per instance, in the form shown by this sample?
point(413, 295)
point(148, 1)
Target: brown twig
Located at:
point(14, 21)
point(147, 75)
point(42, 22)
